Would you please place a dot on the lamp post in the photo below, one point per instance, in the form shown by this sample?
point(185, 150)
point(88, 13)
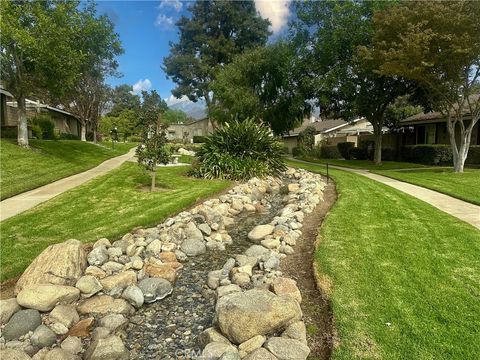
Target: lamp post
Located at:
point(114, 136)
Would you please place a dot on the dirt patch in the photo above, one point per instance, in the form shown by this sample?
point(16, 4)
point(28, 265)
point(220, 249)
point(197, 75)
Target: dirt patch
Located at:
point(300, 266)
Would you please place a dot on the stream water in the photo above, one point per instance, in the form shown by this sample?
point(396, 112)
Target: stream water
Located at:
point(167, 329)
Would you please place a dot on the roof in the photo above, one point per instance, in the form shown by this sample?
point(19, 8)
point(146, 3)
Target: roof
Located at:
point(5, 92)
point(36, 104)
point(323, 127)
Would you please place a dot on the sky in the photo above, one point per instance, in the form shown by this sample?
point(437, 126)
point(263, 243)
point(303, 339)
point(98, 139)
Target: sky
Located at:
point(147, 27)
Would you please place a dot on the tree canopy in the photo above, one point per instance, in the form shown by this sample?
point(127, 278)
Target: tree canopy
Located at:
point(216, 32)
point(123, 98)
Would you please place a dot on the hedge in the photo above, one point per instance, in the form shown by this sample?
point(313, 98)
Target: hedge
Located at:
point(330, 152)
point(437, 154)
point(344, 149)
point(198, 139)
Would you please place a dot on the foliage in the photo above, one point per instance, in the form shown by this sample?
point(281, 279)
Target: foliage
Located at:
point(68, 136)
point(152, 151)
point(174, 116)
point(329, 152)
point(239, 151)
point(151, 110)
point(298, 151)
point(427, 154)
point(43, 127)
point(126, 122)
point(197, 139)
point(357, 153)
point(9, 133)
point(473, 155)
point(441, 53)
point(261, 83)
point(306, 138)
point(400, 109)
point(344, 149)
point(209, 39)
point(328, 35)
point(123, 99)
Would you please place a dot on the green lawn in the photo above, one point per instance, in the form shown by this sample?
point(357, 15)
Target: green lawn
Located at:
point(405, 277)
point(464, 186)
point(46, 161)
point(364, 164)
point(108, 206)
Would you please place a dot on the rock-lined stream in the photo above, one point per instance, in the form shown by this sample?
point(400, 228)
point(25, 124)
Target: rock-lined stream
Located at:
point(168, 329)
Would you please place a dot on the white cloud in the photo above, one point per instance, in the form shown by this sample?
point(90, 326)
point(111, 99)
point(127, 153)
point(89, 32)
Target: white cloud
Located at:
point(164, 21)
point(277, 11)
point(141, 85)
point(172, 100)
point(173, 4)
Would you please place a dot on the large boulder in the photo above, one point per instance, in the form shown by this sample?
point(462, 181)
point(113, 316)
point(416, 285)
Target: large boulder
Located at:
point(59, 264)
point(13, 354)
point(244, 315)
point(110, 348)
point(21, 323)
point(286, 287)
point(260, 231)
point(193, 247)
point(287, 349)
point(8, 307)
point(44, 297)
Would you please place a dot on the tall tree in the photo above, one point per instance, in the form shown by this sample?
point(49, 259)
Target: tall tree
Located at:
point(436, 44)
point(328, 36)
point(174, 116)
point(216, 31)
point(261, 83)
point(122, 99)
point(38, 50)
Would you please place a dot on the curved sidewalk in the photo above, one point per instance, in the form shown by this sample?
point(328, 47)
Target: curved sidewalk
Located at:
point(462, 210)
point(27, 200)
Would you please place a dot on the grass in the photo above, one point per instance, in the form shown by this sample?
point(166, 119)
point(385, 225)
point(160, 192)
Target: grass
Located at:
point(186, 159)
point(364, 164)
point(47, 161)
point(109, 206)
point(405, 277)
point(464, 186)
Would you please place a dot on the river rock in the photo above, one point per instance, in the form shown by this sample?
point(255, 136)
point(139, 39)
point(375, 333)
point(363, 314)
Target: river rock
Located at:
point(60, 354)
point(168, 257)
point(110, 348)
point(193, 247)
point(256, 251)
point(104, 304)
point(286, 287)
point(287, 349)
point(82, 328)
point(296, 331)
point(204, 228)
point(102, 242)
point(44, 297)
point(72, 344)
point(228, 289)
point(211, 335)
point(260, 231)
point(252, 344)
point(100, 333)
point(113, 322)
point(163, 271)
point(154, 248)
point(58, 264)
point(244, 315)
point(98, 256)
point(230, 355)
point(112, 267)
point(134, 295)
point(215, 350)
point(13, 354)
point(64, 314)
point(118, 282)
point(59, 328)
point(8, 307)
point(95, 271)
point(260, 354)
point(21, 323)
point(43, 337)
point(155, 289)
point(88, 285)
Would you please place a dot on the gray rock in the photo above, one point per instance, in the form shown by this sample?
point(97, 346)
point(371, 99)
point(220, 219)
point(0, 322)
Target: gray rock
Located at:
point(98, 256)
point(104, 304)
point(229, 265)
point(286, 287)
point(204, 228)
point(230, 355)
point(215, 350)
point(113, 322)
point(243, 260)
point(72, 344)
point(13, 354)
point(227, 289)
point(88, 285)
point(60, 354)
point(192, 232)
point(59, 329)
point(181, 256)
point(243, 315)
point(102, 242)
point(43, 337)
point(64, 314)
point(252, 344)
point(193, 247)
point(44, 297)
point(134, 295)
point(21, 323)
point(154, 248)
point(210, 335)
point(256, 251)
point(112, 267)
point(110, 348)
point(272, 263)
point(287, 349)
point(114, 252)
point(40, 355)
point(100, 333)
point(8, 307)
point(296, 331)
point(260, 354)
point(260, 231)
point(155, 289)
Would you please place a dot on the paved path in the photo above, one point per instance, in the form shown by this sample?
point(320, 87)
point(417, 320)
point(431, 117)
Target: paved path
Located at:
point(27, 200)
point(462, 210)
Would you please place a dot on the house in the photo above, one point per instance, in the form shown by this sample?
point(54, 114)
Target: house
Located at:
point(64, 121)
point(186, 131)
point(330, 131)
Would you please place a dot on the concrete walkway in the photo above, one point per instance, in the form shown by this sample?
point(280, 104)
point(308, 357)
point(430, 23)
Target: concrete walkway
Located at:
point(27, 200)
point(462, 210)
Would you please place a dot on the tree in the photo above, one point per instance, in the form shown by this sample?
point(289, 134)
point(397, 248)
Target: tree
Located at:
point(436, 44)
point(38, 51)
point(126, 123)
point(261, 83)
point(215, 33)
point(152, 150)
point(400, 109)
point(174, 116)
point(100, 43)
point(337, 75)
point(122, 99)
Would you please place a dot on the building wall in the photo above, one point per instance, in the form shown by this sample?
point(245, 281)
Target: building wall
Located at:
point(289, 143)
point(186, 132)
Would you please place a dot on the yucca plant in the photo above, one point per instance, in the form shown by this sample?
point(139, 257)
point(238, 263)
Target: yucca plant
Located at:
point(239, 151)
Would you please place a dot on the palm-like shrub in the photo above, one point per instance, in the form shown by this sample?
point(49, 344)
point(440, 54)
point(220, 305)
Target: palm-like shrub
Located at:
point(239, 151)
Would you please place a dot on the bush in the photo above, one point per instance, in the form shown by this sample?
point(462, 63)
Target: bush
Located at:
point(330, 152)
point(239, 151)
point(67, 136)
point(197, 139)
point(9, 132)
point(427, 154)
point(298, 151)
point(42, 127)
point(388, 154)
point(134, 138)
point(344, 149)
point(306, 138)
point(357, 153)
point(473, 155)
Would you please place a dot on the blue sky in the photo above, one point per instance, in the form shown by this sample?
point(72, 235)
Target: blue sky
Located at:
point(147, 27)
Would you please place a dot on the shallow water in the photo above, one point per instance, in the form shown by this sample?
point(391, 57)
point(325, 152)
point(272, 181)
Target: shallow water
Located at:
point(167, 329)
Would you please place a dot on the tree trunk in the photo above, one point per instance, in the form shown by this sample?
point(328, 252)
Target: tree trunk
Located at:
point(94, 134)
point(459, 152)
point(377, 155)
point(152, 187)
point(22, 133)
point(83, 131)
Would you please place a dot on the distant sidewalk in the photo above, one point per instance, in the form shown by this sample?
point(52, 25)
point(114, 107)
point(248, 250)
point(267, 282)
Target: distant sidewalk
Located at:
point(462, 210)
point(27, 200)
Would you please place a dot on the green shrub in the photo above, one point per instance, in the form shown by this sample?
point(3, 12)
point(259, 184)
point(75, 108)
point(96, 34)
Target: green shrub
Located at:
point(357, 153)
point(427, 154)
point(42, 127)
point(67, 136)
point(134, 138)
point(239, 151)
point(389, 154)
point(330, 152)
point(306, 138)
point(298, 151)
point(9, 132)
point(197, 139)
point(473, 156)
point(344, 148)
